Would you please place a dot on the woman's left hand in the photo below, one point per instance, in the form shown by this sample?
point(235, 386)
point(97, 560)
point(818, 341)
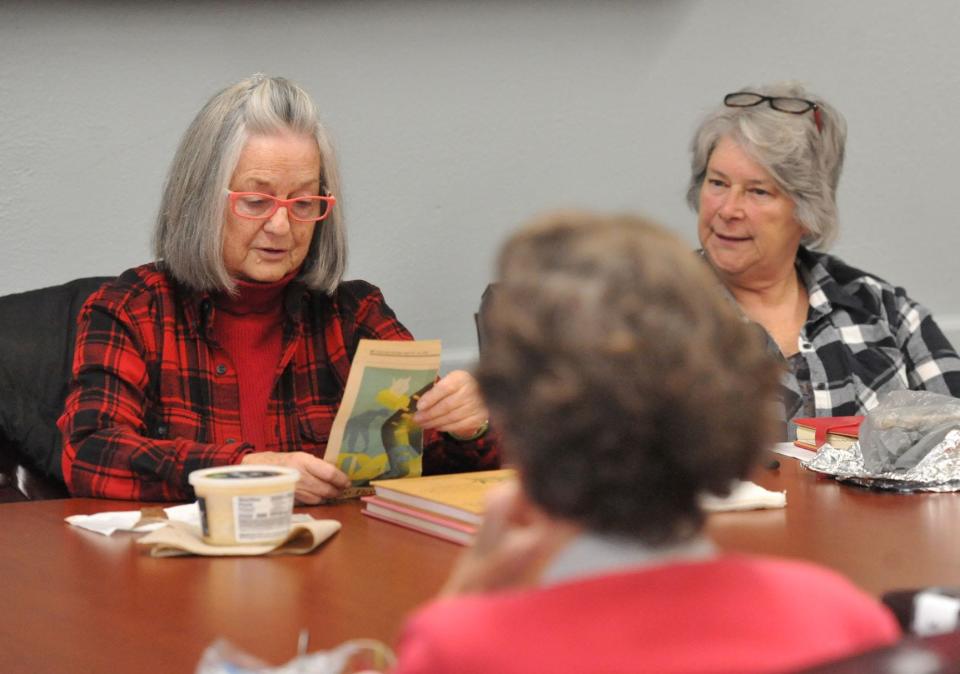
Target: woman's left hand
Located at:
point(453, 405)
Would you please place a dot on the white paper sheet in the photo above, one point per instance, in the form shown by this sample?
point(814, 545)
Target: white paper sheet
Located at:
point(791, 450)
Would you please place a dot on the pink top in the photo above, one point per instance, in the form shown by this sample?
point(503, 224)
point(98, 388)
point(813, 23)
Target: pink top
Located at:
point(728, 614)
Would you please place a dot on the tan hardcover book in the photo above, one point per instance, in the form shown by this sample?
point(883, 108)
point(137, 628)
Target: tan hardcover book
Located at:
point(460, 496)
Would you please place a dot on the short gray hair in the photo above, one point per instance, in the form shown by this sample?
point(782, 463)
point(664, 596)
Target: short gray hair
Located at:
point(188, 236)
point(805, 162)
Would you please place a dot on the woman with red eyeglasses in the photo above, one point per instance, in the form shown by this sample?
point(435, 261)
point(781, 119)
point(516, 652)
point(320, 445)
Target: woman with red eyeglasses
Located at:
point(235, 345)
point(765, 168)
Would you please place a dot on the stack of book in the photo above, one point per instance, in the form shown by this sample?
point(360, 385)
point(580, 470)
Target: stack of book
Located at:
point(446, 506)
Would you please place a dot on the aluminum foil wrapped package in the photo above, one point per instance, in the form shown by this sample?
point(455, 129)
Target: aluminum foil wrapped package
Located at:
point(909, 442)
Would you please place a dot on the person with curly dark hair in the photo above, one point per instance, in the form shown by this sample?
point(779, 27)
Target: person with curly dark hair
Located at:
point(625, 387)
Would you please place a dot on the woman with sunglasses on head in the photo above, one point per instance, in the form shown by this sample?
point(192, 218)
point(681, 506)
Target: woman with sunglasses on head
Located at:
point(235, 345)
point(765, 169)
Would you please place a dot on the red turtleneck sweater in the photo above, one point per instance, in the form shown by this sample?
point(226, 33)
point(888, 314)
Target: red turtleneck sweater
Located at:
point(249, 327)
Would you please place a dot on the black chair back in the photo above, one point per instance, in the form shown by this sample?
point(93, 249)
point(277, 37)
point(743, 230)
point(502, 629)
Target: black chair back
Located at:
point(37, 333)
point(480, 317)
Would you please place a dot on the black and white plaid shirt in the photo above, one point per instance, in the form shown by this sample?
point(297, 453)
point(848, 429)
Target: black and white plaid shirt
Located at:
point(863, 337)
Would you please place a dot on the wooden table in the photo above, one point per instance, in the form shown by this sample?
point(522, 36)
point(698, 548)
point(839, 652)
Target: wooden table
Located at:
point(75, 601)
point(880, 540)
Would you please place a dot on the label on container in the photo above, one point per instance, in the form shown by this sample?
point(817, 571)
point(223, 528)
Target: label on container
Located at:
point(204, 521)
point(262, 518)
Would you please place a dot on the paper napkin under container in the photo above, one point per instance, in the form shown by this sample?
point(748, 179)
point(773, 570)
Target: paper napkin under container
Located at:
point(179, 534)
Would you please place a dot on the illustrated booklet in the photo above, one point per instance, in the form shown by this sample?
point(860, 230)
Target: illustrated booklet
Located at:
point(373, 435)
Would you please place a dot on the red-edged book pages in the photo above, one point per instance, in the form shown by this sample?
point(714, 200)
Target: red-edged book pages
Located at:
point(419, 520)
point(840, 432)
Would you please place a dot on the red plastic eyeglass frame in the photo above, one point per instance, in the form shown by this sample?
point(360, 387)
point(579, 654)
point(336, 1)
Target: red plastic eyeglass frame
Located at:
point(277, 204)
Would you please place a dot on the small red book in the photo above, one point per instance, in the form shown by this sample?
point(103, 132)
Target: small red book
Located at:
point(839, 432)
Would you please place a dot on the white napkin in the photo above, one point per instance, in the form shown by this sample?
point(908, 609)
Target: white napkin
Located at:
point(126, 520)
point(744, 496)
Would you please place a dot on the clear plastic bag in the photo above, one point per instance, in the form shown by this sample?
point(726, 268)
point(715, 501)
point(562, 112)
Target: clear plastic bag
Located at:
point(357, 656)
point(905, 427)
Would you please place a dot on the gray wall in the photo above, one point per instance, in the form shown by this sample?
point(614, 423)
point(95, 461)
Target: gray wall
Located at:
point(455, 121)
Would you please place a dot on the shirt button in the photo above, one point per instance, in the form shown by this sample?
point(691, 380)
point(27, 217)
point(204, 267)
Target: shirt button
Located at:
point(230, 441)
point(221, 369)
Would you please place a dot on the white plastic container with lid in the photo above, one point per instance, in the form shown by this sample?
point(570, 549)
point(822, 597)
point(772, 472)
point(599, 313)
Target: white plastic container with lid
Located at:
point(245, 504)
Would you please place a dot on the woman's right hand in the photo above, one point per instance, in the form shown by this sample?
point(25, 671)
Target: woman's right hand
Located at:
point(319, 479)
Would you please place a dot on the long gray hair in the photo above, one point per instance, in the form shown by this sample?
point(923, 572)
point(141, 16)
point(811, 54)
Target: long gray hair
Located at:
point(806, 162)
point(188, 236)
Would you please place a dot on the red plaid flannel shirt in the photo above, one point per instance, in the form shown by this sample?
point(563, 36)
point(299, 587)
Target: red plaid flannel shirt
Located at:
point(153, 397)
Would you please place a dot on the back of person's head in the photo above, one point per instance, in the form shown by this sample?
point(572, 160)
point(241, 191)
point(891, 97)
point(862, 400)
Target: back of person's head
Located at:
point(624, 383)
point(802, 152)
point(188, 235)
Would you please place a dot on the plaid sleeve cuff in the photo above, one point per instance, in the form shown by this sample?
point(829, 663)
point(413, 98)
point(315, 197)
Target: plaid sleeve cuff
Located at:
point(444, 454)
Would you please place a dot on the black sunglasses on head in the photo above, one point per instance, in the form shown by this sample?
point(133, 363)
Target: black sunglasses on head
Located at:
point(794, 106)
